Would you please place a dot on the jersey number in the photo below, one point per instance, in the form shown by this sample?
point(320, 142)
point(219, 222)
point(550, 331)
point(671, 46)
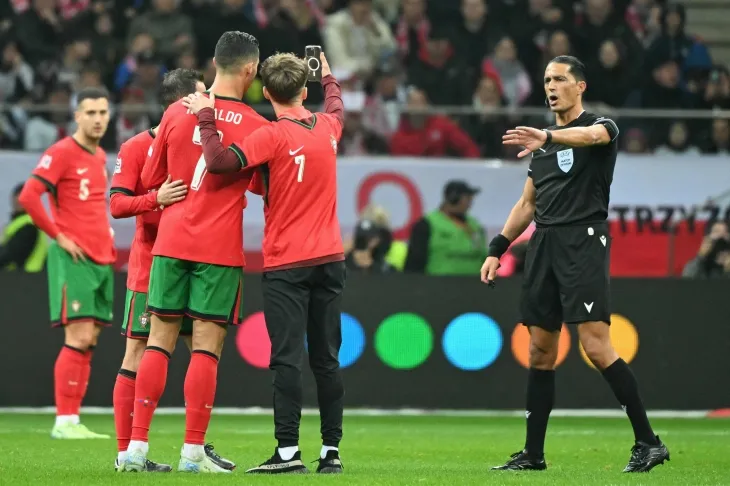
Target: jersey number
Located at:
point(200, 169)
point(84, 189)
point(299, 160)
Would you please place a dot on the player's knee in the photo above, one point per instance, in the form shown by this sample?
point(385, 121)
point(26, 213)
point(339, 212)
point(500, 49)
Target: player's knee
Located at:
point(599, 351)
point(133, 354)
point(543, 356)
point(208, 336)
point(164, 332)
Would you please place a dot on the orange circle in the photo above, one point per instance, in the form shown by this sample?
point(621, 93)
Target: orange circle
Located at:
point(624, 338)
point(521, 345)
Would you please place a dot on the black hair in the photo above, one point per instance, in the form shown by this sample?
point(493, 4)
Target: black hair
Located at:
point(577, 68)
point(178, 83)
point(234, 48)
point(17, 189)
point(92, 93)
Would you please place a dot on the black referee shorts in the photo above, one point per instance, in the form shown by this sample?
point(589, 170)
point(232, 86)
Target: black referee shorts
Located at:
point(566, 276)
point(301, 302)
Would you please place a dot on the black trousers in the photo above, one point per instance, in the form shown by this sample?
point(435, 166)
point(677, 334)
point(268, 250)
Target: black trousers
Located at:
point(307, 301)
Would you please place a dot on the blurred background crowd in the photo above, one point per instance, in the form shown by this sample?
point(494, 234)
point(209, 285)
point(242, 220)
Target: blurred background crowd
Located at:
point(475, 60)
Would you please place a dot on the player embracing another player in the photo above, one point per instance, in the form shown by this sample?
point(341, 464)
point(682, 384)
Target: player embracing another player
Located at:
point(80, 274)
point(130, 198)
point(304, 269)
point(197, 256)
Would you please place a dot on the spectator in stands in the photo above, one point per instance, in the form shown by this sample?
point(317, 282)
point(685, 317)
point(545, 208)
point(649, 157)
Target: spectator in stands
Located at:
point(411, 31)
point(357, 37)
point(383, 108)
point(530, 28)
point(369, 249)
point(22, 246)
point(171, 29)
point(448, 241)
point(717, 89)
point(423, 135)
point(16, 75)
point(356, 138)
point(47, 127)
point(441, 71)
point(719, 137)
point(644, 17)
point(76, 55)
point(713, 258)
point(147, 78)
point(39, 31)
point(514, 80)
point(690, 54)
point(635, 141)
point(601, 23)
point(130, 120)
point(477, 32)
point(141, 43)
point(678, 141)
point(212, 20)
point(485, 128)
point(611, 79)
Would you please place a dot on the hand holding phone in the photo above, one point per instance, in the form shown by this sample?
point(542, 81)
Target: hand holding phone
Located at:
point(314, 65)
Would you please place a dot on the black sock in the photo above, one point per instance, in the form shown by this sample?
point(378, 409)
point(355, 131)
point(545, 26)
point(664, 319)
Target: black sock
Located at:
point(540, 400)
point(624, 386)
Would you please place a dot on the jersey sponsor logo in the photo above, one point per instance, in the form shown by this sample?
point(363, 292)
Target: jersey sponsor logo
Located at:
point(118, 166)
point(294, 152)
point(45, 162)
point(565, 160)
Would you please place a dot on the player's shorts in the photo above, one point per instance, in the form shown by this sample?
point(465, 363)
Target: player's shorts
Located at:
point(136, 324)
point(78, 291)
point(199, 290)
point(566, 277)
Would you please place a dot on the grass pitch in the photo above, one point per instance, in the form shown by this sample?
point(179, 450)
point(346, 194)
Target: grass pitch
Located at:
point(421, 450)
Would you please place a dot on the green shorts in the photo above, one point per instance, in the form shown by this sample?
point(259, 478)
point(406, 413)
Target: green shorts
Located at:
point(136, 324)
point(199, 290)
point(78, 291)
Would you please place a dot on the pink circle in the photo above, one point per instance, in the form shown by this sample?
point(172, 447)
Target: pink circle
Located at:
point(252, 341)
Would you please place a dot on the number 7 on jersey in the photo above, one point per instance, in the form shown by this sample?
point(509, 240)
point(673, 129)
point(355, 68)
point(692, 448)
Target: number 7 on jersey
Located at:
point(299, 160)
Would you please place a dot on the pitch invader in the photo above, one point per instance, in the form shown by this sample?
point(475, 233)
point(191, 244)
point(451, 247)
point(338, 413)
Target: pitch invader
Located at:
point(80, 273)
point(129, 198)
point(197, 267)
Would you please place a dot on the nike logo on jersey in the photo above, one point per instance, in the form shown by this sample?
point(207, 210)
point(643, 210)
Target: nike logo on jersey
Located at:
point(294, 152)
point(588, 306)
point(82, 171)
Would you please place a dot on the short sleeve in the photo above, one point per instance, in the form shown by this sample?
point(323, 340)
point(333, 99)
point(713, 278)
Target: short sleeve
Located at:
point(51, 168)
point(610, 125)
point(257, 148)
point(333, 123)
point(127, 170)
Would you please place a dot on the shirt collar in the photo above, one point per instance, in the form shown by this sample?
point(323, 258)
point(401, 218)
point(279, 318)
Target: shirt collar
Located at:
point(296, 113)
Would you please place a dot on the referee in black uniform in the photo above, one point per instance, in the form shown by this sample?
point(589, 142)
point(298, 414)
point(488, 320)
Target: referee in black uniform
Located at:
point(566, 275)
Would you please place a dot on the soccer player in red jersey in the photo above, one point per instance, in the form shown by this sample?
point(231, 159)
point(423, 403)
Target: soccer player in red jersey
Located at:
point(304, 269)
point(80, 273)
point(198, 255)
point(130, 198)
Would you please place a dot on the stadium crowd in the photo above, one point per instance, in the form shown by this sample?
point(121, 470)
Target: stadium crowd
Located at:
point(387, 54)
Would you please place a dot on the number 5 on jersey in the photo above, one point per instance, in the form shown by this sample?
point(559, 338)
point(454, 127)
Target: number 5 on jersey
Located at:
point(299, 160)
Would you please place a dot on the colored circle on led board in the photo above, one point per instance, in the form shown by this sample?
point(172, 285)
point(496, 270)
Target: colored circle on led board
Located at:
point(353, 340)
point(404, 341)
point(521, 345)
point(472, 341)
point(624, 337)
point(252, 341)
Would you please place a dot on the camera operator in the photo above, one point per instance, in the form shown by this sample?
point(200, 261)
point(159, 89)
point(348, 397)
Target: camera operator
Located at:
point(370, 247)
point(713, 259)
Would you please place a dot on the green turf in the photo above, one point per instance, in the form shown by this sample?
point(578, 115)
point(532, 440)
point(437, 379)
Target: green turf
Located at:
point(379, 451)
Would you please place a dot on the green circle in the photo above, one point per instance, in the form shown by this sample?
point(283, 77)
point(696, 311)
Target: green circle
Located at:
point(403, 341)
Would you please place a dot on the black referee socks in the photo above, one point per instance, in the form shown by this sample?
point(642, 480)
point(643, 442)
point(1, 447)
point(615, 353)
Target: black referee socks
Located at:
point(624, 386)
point(540, 401)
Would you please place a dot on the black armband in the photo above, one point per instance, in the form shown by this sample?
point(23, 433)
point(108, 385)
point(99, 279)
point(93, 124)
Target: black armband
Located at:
point(498, 246)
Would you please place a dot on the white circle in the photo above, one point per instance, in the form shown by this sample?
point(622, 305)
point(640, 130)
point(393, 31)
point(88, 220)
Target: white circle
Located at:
point(316, 63)
point(590, 231)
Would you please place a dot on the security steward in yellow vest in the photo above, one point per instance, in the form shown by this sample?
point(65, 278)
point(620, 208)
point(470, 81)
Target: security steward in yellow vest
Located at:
point(23, 247)
point(448, 241)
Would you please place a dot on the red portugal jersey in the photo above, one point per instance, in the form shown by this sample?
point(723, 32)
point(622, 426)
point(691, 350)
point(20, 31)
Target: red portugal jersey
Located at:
point(77, 182)
point(126, 180)
point(207, 226)
point(300, 181)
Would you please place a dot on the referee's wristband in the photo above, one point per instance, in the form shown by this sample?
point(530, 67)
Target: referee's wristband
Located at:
point(549, 138)
point(498, 246)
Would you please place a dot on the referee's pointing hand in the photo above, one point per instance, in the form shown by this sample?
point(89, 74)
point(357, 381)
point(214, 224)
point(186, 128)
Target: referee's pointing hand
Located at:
point(528, 137)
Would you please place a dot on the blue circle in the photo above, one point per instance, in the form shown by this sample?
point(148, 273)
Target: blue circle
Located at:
point(472, 341)
point(353, 340)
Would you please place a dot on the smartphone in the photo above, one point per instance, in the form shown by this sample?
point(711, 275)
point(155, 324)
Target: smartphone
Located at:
point(311, 54)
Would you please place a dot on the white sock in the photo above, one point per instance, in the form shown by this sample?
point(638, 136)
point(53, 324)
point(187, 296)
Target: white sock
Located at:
point(287, 453)
point(323, 452)
point(121, 456)
point(67, 419)
point(192, 451)
point(138, 445)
